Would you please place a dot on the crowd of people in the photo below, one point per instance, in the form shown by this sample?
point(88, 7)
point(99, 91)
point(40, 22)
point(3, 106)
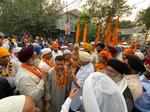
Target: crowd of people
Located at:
point(42, 76)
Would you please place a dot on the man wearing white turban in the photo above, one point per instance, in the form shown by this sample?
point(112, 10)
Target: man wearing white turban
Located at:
point(84, 56)
point(46, 62)
point(17, 104)
point(101, 94)
point(86, 68)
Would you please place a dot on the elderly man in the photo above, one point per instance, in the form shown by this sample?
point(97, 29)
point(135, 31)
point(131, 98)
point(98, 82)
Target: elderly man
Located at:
point(29, 78)
point(86, 68)
point(101, 94)
point(46, 62)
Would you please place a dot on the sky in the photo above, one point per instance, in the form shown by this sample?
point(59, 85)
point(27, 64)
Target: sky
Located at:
point(137, 6)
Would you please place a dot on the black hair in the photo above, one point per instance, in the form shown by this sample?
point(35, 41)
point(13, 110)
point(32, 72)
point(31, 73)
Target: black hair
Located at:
point(59, 58)
point(101, 45)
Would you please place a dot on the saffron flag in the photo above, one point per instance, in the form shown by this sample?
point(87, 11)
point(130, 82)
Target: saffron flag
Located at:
point(108, 31)
point(77, 38)
point(116, 31)
point(85, 33)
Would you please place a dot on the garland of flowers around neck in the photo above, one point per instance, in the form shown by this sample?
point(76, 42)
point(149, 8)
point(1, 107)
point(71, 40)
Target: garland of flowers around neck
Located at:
point(35, 70)
point(61, 79)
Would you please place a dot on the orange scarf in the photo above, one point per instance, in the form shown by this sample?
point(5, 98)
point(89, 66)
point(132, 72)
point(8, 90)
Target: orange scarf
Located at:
point(33, 69)
point(62, 79)
point(100, 66)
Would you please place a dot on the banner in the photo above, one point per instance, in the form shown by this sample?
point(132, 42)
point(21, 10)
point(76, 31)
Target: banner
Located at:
point(108, 31)
point(116, 32)
point(77, 38)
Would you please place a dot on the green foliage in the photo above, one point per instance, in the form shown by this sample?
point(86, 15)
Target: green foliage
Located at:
point(127, 24)
point(35, 16)
point(85, 18)
point(92, 33)
point(144, 17)
point(99, 10)
point(104, 8)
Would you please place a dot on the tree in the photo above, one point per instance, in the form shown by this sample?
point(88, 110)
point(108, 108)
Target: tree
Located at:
point(143, 17)
point(86, 18)
point(127, 24)
point(102, 9)
point(34, 16)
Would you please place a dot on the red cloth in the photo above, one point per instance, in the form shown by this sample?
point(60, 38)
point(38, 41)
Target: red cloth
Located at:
point(147, 61)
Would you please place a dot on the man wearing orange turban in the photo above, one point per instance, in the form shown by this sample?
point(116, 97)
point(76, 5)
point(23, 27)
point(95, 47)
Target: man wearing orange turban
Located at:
point(127, 52)
point(55, 50)
point(104, 56)
point(55, 45)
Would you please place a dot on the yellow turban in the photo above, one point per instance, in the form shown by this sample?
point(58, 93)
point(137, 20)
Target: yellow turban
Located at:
point(4, 52)
point(87, 46)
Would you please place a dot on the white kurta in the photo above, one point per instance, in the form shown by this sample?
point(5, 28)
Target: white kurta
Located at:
point(101, 94)
point(29, 84)
point(66, 105)
point(81, 76)
point(134, 85)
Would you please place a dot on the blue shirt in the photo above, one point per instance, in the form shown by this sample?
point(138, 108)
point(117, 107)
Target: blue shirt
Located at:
point(143, 102)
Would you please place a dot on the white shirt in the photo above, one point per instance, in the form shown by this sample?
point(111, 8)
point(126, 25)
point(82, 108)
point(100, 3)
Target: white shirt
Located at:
point(29, 84)
point(66, 105)
point(83, 73)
